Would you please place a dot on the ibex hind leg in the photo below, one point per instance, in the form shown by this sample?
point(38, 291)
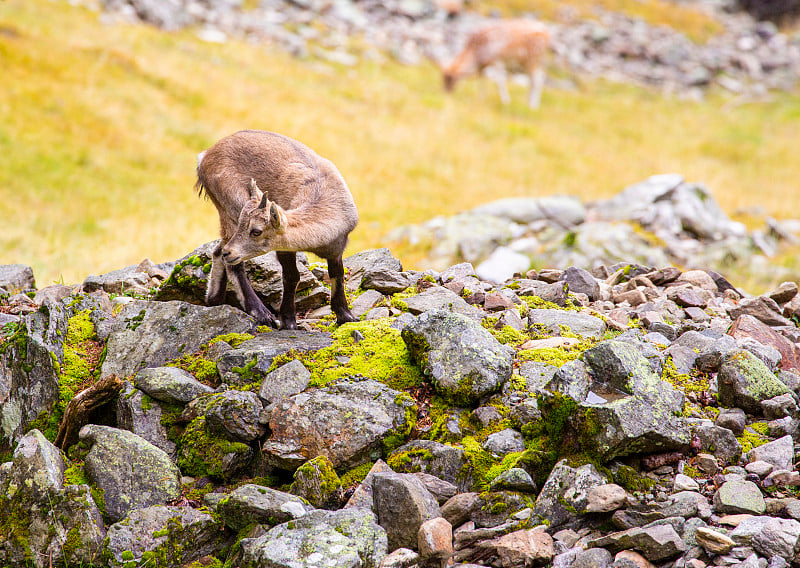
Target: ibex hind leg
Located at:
point(290, 277)
point(338, 298)
point(537, 85)
point(251, 303)
point(217, 279)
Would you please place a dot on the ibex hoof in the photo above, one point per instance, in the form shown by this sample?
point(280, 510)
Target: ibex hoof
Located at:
point(288, 324)
point(264, 317)
point(345, 317)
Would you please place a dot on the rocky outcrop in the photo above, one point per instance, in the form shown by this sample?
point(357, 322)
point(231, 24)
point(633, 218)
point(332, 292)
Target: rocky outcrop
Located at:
point(628, 413)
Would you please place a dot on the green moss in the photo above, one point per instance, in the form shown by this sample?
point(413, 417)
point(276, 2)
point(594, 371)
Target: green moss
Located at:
point(410, 461)
point(127, 555)
point(480, 460)
point(356, 475)
point(760, 428)
point(555, 356)
point(75, 475)
point(401, 433)
point(382, 356)
point(202, 453)
point(632, 480)
point(507, 335)
point(751, 438)
point(232, 339)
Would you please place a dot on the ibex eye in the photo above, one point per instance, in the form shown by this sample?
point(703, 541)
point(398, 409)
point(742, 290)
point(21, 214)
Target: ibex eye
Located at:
point(255, 232)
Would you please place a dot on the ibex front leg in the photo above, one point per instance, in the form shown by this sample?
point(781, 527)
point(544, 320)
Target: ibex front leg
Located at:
point(217, 279)
point(291, 277)
point(251, 303)
point(338, 298)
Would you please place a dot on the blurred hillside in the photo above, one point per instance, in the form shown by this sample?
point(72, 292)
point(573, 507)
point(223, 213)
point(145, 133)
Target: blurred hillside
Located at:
point(101, 120)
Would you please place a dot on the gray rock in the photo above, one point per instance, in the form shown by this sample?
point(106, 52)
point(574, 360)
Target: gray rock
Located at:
point(463, 360)
point(767, 353)
point(657, 543)
point(29, 372)
point(316, 482)
point(170, 384)
point(504, 442)
point(571, 379)
point(581, 281)
point(402, 504)
point(710, 357)
point(370, 262)
point(446, 462)
point(778, 537)
point(346, 421)
point(251, 360)
point(157, 332)
point(739, 497)
point(142, 416)
point(762, 308)
point(439, 298)
point(565, 210)
point(779, 407)
point(718, 440)
point(583, 325)
point(779, 453)
point(257, 504)
point(365, 302)
point(733, 419)
point(592, 558)
point(537, 375)
point(128, 279)
point(41, 512)
point(622, 366)
point(350, 536)
point(287, 380)
point(514, 479)
point(439, 488)
point(132, 471)
point(178, 535)
point(237, 415)
point(16, 277)
point(744, 381)
point(362, 496)
point(605, 498)
point(748, 528)
point(566, 490)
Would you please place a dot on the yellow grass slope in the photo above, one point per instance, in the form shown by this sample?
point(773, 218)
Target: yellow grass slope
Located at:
point(100, 126)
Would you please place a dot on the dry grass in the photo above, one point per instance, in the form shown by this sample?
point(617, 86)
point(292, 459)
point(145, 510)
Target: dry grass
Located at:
point(100, 126)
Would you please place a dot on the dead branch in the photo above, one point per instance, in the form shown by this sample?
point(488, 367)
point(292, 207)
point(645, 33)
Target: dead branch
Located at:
point(76, 415)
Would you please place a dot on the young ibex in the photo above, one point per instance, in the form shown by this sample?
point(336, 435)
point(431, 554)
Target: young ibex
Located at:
point(274, 193)
point(518, 43)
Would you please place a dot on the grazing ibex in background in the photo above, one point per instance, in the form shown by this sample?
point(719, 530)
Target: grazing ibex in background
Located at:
point(274, 193)
point(517, 43)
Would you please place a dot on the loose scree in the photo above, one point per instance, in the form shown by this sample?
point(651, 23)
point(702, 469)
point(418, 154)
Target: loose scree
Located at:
point(274, 193)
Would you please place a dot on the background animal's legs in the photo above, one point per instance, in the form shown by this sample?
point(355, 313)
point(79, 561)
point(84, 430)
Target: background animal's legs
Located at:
point(217, 279)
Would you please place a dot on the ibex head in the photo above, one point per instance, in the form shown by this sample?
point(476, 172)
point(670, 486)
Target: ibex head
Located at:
point(260, 221)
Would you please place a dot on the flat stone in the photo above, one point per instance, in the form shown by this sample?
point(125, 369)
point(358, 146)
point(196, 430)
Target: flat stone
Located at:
point(605, 498)
point(739, 497)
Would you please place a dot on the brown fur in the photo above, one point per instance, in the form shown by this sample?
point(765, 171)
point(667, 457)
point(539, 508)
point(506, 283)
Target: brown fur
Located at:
point(266, 183)
point(514, 43)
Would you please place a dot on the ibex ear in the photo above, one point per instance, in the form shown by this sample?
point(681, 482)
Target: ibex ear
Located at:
point(277, 218)
point(255, 193)
point(263, 204)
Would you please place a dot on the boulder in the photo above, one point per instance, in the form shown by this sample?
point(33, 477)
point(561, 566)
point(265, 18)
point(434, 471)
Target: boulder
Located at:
point(744, 381)
point(316, 482)
point(16, 277)
point(170, 384)
point(566, 492)
point(657, 543)
point(551, 321)
point(747, 326)
point(739, 497)
point(349, 422)
point(288, 379)
point(131, 471)
point(463, 360)
point(174, 535)
point(152, 333)
point(42, 520)
point(403, 505)
point(251, 360)
point(350, 536)
point(252, 503)
point(142, 415)
point(779, 453)
point(438, 298)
